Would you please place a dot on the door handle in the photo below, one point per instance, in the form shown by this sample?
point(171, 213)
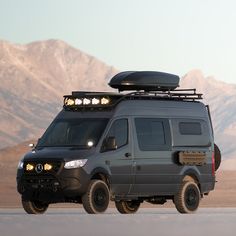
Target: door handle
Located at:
point(107, 162)
point(128, 154)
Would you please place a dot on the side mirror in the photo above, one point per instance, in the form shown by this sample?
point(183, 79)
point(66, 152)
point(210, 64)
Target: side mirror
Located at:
point(109, 144)
point(31, 145)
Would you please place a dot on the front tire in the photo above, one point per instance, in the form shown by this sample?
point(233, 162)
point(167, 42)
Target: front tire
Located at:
point(188, 198)
point(97, 197)
point(127, 207)
point(34, 207)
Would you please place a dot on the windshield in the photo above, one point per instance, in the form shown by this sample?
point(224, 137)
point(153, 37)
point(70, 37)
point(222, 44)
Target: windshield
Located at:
point(82, 132)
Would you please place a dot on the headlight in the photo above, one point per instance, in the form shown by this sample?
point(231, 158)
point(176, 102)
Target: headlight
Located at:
point(20, 164)
point(75, 164)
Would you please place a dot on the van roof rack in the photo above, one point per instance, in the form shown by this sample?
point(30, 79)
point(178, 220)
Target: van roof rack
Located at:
point(105, 100)
point(176, 95)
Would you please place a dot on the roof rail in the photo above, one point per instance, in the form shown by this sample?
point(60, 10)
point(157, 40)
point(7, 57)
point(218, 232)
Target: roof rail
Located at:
point(178, 94)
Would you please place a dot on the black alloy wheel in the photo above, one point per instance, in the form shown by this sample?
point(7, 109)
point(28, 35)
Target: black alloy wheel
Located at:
point(188, 198)
point(34, 207)
point(97, 197)
point(127, 207)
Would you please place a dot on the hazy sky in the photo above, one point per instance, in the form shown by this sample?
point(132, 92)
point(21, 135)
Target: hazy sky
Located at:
point(166, 35)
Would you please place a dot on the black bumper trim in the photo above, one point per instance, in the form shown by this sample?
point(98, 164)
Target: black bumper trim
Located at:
point(68, 185)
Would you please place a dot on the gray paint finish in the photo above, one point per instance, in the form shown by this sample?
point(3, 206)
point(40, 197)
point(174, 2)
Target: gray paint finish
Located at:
point(158, 172)
point(161, 108)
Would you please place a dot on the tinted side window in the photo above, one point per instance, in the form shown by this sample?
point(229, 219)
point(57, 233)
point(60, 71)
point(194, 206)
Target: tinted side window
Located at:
point(151, 134)
point(119, 130)
point(190, 128)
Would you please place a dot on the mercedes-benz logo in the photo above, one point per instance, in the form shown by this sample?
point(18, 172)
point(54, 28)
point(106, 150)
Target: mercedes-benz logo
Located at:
point(39, 168)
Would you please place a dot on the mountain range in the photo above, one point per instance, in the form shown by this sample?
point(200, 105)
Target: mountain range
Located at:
point(34, 77)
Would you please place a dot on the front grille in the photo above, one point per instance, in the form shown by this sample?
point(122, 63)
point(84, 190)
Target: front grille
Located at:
point(38, 167)
point(47, 180)
point(40, 183)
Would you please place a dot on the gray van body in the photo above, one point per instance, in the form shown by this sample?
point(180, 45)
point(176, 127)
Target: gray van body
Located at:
point(137, 173)
point(132, 172)
point(149, 145)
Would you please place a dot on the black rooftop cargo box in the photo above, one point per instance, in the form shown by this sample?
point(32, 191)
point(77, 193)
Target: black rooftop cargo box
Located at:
point(144, 80)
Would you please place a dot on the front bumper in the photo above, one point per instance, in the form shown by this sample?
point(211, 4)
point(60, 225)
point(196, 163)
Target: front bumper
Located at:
point(65, 186)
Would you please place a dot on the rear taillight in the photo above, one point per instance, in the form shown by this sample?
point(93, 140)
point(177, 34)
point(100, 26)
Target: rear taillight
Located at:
point(213, 163)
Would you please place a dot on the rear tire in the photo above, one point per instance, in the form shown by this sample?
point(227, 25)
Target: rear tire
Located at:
point(34, 207)
point(97, 197)
point(127, 207)
point(188, 198)
point(217, 155)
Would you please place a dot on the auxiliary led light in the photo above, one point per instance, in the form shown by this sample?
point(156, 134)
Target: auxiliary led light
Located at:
point(105, 101)
point(47, 167)
point(29, 167)
point(90, 143)
point(95, 101)
point(86, 101)
point(69, 102)
point(78, 101)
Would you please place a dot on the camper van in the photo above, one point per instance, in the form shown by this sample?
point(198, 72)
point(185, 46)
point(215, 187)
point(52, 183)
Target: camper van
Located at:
point(147, 142)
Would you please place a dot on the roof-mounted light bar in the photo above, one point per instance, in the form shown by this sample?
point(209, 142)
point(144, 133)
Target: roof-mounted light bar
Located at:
point(70, 101)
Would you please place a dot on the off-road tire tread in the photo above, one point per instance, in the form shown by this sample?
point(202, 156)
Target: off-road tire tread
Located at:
point(30, 208)
point(122, 207)
point(179, 198)
point(87, 197)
